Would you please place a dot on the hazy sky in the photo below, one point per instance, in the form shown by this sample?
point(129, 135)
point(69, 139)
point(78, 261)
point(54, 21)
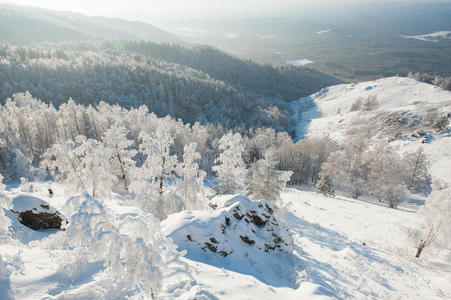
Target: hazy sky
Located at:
point(168, 9)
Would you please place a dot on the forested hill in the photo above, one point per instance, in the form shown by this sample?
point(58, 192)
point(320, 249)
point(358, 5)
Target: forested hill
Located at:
point(195, 83)
point(24, 24)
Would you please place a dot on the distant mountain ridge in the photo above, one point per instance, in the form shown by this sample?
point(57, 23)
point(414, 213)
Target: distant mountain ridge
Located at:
point(25, 24)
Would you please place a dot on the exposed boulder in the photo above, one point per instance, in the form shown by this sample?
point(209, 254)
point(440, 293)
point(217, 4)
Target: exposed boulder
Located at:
point(36, 213)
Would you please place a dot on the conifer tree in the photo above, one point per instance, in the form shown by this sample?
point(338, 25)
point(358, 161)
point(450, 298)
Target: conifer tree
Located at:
point(325, 186)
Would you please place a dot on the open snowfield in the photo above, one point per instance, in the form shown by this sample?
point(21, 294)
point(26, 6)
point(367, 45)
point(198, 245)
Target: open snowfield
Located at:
point(345, 248)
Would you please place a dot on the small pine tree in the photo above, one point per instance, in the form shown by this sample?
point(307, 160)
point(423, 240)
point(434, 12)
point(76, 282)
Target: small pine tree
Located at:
point(325, 186)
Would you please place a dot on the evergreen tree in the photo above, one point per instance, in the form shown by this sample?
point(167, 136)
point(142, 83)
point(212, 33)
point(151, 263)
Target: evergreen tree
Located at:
point(325, 186)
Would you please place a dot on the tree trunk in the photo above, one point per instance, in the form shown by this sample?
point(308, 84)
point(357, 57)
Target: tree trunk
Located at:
point(124, 178)
point(420, 248)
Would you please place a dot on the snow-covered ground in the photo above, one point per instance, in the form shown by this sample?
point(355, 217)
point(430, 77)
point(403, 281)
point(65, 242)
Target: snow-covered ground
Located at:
point(430, 37)
point(324, 31)
point(343, 248)
point(299, 62)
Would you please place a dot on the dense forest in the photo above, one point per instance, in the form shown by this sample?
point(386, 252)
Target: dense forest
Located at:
point(197, 84)
point(109, 144)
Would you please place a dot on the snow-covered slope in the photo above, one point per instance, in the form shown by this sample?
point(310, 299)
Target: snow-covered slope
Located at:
point(406, 113)
point(342, 249)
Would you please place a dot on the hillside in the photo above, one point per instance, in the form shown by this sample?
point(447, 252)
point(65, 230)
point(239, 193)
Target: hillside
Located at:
point(25, 24)
point(343, 248)
point(196, 83)
point(405, 115)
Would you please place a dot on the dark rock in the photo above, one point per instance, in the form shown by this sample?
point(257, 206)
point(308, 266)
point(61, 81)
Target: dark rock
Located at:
point(247, 240)
point(256, 220)
point(211, 247)
point(42, 220)
point(269, 209)
point(237, 215)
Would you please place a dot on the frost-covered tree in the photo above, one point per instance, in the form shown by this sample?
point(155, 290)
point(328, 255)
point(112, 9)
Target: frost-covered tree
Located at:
point(151, 180)
point(5, 204)
point(83, 165)
point(386, 174)
point(325, 186)
point(230, 168)
point(417, 165)
point(347, 167)
point(190, 186)
point(64, 164)
point(115, 139)
point(264, 181)
point(436, 229)
point(95, 166)
point(133, 250)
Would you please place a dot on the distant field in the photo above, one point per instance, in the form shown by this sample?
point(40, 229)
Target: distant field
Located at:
point(356, 43)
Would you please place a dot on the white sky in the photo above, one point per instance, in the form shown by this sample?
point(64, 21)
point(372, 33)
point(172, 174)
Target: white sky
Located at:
point(170, 9)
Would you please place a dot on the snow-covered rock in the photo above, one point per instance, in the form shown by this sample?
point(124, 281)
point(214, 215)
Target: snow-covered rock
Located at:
point(36, 213)
point(240, 234)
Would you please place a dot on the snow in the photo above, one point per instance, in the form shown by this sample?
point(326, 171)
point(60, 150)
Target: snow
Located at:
point(331, 234)
point(299, 62)
point(430, 37)
point(329, 259)
point(218, 238)
point(25, 202)
point(327, 112)
point(324, 31)
point(232, 35)
point(338, 248)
